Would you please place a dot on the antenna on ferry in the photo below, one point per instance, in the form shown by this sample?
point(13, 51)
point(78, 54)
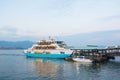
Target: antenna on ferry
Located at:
point(49, 37)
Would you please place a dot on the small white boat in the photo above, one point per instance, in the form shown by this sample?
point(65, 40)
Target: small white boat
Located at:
point(81, 59)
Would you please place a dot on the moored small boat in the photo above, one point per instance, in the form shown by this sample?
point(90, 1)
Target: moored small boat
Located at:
point(82, 59)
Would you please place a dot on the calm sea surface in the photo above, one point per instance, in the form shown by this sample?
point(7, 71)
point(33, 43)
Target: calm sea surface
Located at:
point(15, 66)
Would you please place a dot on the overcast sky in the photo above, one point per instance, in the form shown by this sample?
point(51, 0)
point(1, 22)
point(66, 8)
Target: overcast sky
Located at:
point(35, 18)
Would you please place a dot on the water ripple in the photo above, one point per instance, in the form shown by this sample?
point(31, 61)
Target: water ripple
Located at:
point(11, 54)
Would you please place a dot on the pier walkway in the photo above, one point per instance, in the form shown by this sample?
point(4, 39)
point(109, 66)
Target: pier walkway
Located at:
point(89, 52)
point(96, 54)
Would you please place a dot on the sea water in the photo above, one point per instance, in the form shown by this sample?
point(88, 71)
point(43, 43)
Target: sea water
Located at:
point(14, 65)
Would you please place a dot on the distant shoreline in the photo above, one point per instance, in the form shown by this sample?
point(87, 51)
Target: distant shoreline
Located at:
point(11, 48)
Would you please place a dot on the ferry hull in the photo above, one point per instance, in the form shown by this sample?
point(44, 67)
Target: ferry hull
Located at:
point(48, 55)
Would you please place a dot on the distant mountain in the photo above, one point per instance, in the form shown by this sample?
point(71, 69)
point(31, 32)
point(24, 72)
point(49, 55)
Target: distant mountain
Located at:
point(15, 45)
point(101, 38)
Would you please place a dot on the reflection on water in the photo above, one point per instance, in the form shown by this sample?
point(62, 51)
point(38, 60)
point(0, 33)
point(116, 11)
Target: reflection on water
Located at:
point(46, 67)
point(58, 69)
point(19, 67)
point(83, 64)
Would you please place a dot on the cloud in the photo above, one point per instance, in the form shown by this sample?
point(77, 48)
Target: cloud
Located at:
point(111, 18)
point(116, 35)
point(14, 34)
point(8, 33)
point(8, 30)
point(35, 18)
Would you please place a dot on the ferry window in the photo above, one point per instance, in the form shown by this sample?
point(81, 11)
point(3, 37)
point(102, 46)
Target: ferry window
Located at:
point(61, 44)
point(62, 52)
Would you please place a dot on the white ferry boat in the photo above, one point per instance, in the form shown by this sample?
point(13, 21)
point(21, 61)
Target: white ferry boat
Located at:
point(49, 49)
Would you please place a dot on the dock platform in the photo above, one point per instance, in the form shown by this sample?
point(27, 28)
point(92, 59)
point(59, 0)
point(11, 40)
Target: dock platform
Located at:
point(97, 55)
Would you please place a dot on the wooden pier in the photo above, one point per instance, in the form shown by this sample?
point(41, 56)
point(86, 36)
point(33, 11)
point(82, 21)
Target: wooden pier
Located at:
point(98, 55)
point(88, 52)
